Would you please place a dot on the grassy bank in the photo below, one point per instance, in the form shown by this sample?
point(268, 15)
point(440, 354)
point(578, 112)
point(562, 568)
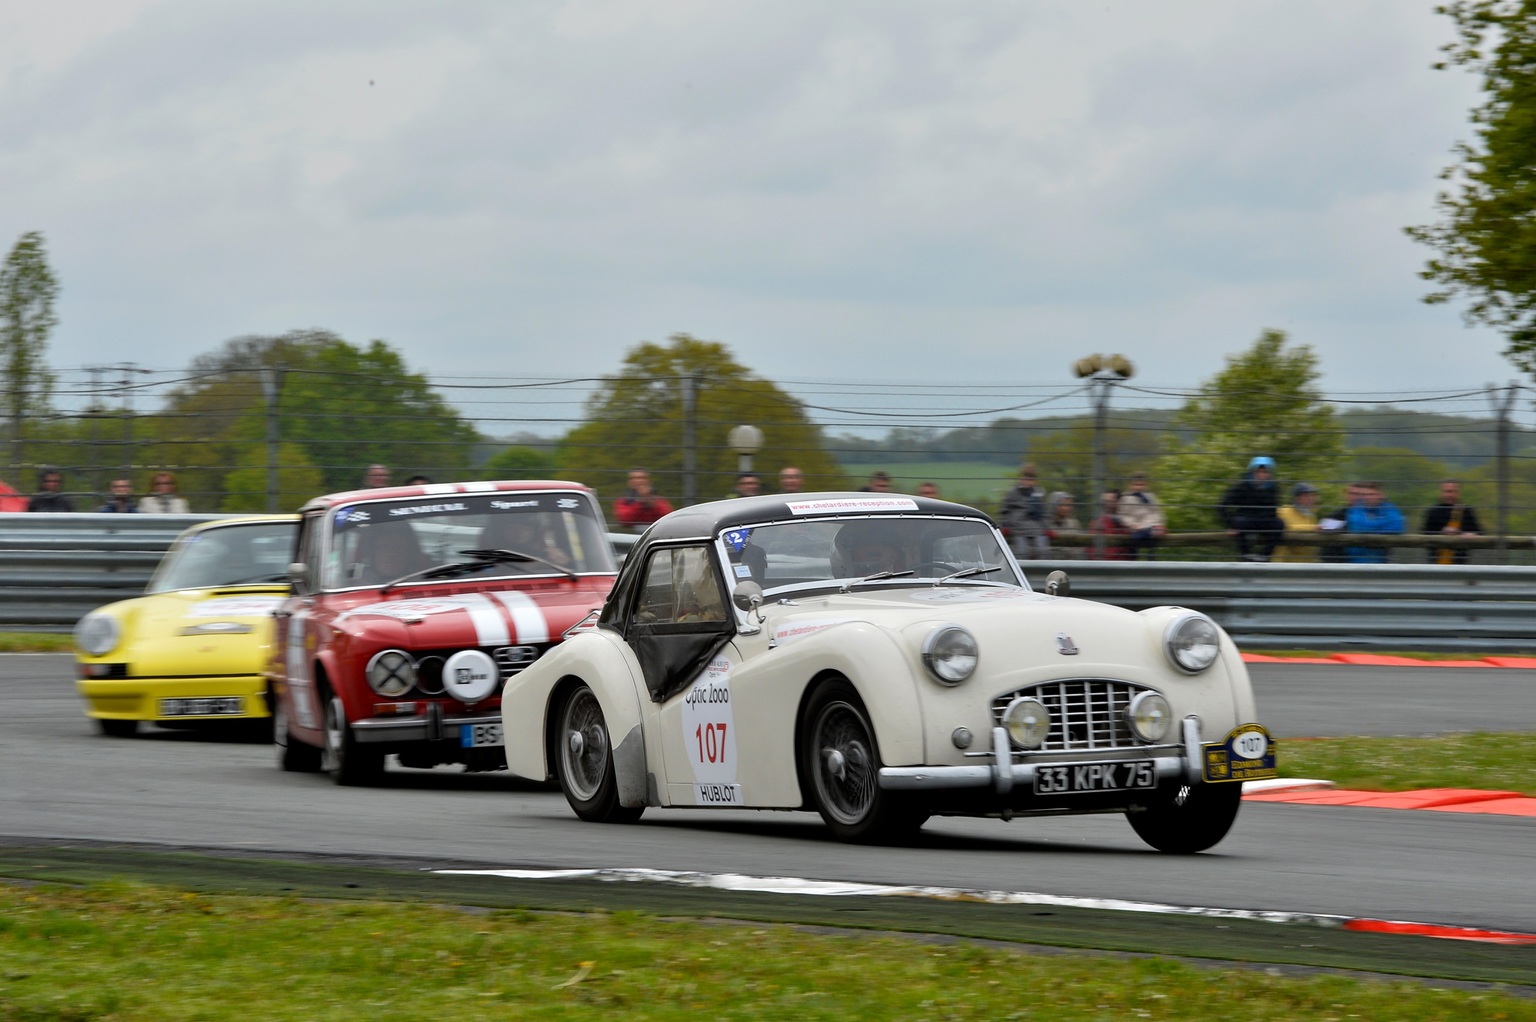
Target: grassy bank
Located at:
point(1493, 761)
point(123, 950)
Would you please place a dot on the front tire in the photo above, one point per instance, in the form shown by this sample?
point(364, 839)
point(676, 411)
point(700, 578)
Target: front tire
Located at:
point(348, 762)
point(1193, 823)
point(841, 762)
point(584, 761)
point(292, 755)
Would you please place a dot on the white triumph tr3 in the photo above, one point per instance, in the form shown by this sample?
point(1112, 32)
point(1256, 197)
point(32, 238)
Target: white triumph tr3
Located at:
point(881, 659)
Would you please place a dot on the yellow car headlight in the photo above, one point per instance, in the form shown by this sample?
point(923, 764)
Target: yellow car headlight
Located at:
point(97, 634)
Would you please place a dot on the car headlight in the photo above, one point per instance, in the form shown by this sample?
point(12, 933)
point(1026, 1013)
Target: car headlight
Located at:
point(391, 673)
point(1193, 642)
point(97, 633)
point(1027, 721)
point(950, 654)
point(1149, 716)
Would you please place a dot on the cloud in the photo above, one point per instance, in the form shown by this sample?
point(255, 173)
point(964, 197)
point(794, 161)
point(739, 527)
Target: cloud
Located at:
point(909, 190)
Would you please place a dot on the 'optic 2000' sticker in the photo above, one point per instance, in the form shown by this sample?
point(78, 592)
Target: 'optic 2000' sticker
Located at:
point(709, 732)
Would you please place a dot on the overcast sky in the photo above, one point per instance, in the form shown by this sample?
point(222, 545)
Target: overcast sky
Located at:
point(855, 191)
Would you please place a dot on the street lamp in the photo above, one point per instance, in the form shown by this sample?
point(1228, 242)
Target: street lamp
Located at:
point(1102, 373)
point(745, 441)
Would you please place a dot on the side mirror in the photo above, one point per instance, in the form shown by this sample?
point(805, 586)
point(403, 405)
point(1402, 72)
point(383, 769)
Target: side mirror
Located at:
point(1058, 584)
point(748, 596)
point(298, 574)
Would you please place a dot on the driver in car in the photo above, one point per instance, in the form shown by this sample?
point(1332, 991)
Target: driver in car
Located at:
point(869, 548)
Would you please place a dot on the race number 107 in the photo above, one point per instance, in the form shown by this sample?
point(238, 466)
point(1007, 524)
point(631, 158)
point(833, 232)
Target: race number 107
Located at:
point(711, 739)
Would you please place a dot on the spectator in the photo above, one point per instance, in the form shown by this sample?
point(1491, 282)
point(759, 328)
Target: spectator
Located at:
point(375, 476)
point(928, 490)
point(11, 499)
point(879, 482)
point(1250, 511)
point(50, 482)
point(163, 498)
point(122, 498)
point(1450, 517)
point(1142, 515)
point(1109, 533)
point(641, 505)
point(418, 480)
point(1333, 553)
point(1022, 516)
point(747, 485)
point(1300, 515)
point(791, 480)
point(1060, 518)
point(1373, 516)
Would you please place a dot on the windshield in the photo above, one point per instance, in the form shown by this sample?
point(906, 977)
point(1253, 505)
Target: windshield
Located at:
point(377, 542)
point(247, 553)
point(839, 550)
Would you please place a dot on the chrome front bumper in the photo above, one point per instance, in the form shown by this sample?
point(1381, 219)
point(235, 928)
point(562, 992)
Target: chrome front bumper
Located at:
point(1003, 773)
point(430, 727)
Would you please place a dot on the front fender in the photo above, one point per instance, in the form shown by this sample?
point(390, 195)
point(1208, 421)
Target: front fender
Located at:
point(878, 665)
point(531, 698)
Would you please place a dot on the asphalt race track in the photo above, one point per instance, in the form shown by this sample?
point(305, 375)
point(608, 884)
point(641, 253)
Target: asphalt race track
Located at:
point(60, 780)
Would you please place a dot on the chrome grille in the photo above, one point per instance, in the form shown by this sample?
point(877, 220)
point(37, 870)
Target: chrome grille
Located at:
point(1086, 713)
point(511, 660)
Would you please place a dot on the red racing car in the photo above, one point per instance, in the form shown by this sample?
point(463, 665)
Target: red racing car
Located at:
point(411, 608)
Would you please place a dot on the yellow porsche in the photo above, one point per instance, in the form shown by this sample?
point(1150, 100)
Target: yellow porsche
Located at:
point(193, 649)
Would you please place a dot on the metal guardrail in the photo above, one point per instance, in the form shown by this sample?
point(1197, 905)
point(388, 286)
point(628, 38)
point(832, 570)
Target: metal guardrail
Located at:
point(56, 568)
point(1363, 607)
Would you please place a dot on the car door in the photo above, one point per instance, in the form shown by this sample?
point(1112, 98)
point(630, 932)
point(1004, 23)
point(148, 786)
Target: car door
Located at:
point(680, 631)
point(296, 634)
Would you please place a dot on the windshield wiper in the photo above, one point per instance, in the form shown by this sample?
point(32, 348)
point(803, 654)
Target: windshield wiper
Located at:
point(272, 576)
point(483, 558)
point(877, 576)
point(498, 555)
point(980, 569)
point(438, 571)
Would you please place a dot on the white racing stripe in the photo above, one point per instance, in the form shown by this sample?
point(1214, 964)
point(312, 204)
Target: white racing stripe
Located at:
point(527, 617)
point(490, 625)
point(845, 889)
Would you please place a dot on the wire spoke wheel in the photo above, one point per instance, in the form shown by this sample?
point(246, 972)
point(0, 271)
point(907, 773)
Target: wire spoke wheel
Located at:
point(840, 770)
point(583, 745)
point(583, 754)
point(844, 768)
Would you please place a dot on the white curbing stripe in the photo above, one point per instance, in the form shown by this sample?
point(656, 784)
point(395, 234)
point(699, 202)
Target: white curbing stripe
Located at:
point(844, 889)
point(1285, 784)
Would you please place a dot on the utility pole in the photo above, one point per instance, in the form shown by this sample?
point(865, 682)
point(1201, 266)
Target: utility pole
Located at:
point(272, 389)
point(1102, 373)
point(690, 440)
point(1502, 399)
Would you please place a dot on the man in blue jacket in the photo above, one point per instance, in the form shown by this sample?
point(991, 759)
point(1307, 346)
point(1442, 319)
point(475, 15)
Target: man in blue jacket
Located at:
point(1373, 514)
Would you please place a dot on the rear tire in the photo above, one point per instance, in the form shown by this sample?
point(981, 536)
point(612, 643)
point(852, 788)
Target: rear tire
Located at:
point(292, 755)
point(117, 728)
point(348, 762)
point(1193, 825)
point(584, 761)
point(841, 764)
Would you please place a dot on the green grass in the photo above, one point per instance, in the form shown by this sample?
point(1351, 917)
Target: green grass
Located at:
point(125, 951)
point(36, 642)
point(1492, 761)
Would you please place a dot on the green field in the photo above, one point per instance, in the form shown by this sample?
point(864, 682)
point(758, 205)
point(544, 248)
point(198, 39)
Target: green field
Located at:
point(969, 482)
